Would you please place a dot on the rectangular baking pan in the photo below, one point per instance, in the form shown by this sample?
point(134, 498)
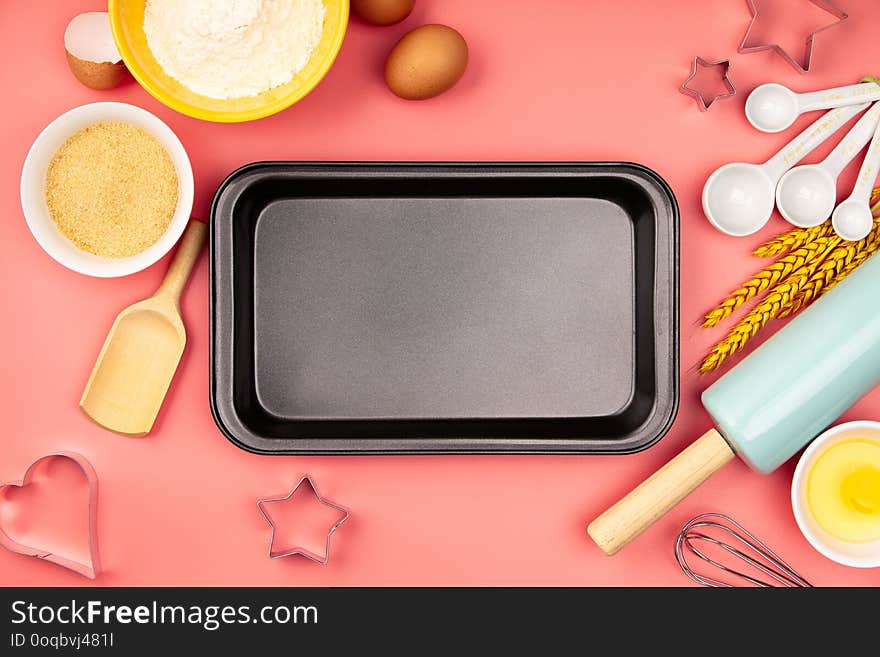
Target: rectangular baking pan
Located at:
point(431, 308)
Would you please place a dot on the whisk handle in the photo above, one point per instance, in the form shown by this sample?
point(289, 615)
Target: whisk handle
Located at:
point(660, 492)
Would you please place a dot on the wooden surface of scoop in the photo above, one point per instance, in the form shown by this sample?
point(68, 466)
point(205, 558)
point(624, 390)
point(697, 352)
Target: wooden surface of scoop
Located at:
point(140, 355)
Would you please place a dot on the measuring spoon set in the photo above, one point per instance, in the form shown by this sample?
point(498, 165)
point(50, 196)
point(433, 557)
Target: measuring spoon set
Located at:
point(738, 198)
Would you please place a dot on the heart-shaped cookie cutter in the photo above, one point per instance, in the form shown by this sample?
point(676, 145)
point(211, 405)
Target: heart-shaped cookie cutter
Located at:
point(88, 569)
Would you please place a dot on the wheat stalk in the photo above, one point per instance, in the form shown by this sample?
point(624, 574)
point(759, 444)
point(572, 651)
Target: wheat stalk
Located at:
point(797, 237)
point(839, 264)
point(771, 275)
point(793, 239)
point(769, 307)
point(871, 247)
point(817, 260)
point(824, 276)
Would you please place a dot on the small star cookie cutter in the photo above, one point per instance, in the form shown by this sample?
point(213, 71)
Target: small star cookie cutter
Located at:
point(701, 99)
point(825, 5)
point(302, 551)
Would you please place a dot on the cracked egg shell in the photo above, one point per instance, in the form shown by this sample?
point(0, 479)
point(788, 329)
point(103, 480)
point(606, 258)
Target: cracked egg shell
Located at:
point(91, 52)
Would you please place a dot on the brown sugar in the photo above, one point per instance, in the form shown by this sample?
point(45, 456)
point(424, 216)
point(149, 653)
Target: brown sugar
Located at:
point(112, 189)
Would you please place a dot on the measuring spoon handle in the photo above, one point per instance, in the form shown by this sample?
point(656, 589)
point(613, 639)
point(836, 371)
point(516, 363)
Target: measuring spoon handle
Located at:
point(853, 142)
point(852, 94)
point(868, 172)
point(818, 131)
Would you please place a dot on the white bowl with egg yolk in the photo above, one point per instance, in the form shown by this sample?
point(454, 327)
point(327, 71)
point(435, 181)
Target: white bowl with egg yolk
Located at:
point(835, 494)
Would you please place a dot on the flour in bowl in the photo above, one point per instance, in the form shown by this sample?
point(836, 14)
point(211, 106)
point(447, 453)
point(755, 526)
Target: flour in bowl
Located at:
point(233, 48)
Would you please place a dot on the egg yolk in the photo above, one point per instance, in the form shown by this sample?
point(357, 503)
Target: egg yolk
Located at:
point(843, 490)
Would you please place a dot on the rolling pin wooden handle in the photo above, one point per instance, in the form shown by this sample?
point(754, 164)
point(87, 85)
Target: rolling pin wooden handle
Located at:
point(660, 492)
point(184, 258)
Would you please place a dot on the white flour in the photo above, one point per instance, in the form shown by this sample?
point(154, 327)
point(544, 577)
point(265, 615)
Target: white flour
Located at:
point(233, 48)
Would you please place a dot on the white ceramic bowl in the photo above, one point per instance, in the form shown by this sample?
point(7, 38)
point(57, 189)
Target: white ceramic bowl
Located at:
point(33, 180)
point(858, 555)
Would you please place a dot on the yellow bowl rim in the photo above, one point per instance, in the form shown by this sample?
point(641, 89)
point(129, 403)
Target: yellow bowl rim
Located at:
point(230, 116)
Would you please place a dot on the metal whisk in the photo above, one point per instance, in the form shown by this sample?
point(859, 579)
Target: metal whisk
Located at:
point(727, 535)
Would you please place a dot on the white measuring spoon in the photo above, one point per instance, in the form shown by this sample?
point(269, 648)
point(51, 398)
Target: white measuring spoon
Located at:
point(738, 197)
point(806, 195)
point(773, 107)
point(852, 219)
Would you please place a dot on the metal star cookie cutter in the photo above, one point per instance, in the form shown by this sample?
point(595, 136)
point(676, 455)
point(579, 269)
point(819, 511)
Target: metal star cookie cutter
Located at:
point(87, 568)
point(304, 552)
point(699, 62)
point(825, 5)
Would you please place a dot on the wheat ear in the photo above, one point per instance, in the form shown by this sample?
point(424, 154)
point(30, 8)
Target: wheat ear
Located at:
point(793, 239)
point(770, 275)
point(769, 307)
point(842, 261)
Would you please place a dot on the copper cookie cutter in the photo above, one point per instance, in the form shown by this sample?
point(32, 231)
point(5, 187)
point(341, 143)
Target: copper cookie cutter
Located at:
point(826, 5)
point(88, 568)
point(302, 551)
point(701, 98)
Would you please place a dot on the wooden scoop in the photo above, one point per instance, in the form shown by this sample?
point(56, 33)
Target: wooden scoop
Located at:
point(141, 353)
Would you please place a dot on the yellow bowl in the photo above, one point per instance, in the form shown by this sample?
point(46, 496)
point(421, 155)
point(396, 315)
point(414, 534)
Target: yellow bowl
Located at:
point(127, 23)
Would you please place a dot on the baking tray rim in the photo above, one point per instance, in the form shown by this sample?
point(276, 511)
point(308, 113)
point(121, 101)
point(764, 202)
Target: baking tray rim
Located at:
point(661, 421)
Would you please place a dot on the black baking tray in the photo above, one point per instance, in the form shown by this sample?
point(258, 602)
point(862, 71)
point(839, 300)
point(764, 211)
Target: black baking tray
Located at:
point(366, 308)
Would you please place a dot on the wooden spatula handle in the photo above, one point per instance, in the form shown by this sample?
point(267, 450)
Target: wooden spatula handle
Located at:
point(660, 492)
point(188, 250)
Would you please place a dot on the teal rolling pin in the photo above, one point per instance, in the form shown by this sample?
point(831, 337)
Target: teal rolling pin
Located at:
point(771, 404)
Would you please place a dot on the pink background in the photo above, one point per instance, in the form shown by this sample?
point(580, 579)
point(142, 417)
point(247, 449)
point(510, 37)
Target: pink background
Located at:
point(552, 80)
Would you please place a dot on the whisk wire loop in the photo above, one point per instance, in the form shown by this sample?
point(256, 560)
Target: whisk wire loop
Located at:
point(742, 546)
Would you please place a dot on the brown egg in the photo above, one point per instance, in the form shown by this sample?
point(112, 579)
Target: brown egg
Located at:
point(426, 62)
point(91, 51)
point(382, 12)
